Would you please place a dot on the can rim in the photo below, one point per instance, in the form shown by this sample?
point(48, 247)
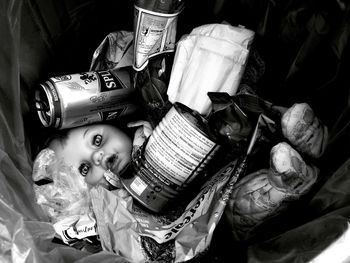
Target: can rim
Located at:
point(203, 128)
point(46, 117)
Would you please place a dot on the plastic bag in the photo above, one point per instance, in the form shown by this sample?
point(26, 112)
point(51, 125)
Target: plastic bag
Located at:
point(26, 235)
point(115, 51)
point(64, 196)
point(66, 192)
point(141, 236)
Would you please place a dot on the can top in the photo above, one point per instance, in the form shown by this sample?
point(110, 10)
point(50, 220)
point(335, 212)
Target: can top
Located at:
point(161, 6)
point(195, 118)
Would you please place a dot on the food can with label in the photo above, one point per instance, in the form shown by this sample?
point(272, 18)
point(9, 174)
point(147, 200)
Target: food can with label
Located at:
point(78, 99)
point(177, 151)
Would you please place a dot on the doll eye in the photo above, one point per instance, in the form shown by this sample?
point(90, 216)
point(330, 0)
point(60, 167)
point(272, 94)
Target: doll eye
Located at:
point(97, 140)
point(84, 169)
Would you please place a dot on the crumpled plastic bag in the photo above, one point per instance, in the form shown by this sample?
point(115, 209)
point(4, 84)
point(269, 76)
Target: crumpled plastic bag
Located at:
point(230, 123)
point(212, 58)
point(152, 89)
point(140, 236)
point(66, 193)
point(115, 51)
point(64, 196)
point(26, 234)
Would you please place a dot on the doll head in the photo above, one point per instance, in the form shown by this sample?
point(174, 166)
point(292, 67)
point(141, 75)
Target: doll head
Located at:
point(93, 150)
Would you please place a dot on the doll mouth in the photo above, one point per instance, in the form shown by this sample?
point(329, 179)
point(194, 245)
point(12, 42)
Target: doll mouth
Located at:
point(115, 165)
point(111, 162)
point(111, 174)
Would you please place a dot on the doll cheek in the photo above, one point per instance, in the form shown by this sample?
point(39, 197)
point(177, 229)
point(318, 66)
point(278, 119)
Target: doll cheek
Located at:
point(94, 177)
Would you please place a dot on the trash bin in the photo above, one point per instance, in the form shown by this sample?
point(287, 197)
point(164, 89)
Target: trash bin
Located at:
point(300, 54)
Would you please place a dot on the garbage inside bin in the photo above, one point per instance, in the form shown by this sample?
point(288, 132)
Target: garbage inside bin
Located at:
point(304, 51)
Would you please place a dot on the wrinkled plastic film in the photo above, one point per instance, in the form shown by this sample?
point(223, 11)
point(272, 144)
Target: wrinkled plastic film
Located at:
point(25, 233)
point(122, 228)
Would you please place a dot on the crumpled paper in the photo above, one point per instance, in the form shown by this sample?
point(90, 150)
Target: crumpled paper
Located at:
point(212, 58)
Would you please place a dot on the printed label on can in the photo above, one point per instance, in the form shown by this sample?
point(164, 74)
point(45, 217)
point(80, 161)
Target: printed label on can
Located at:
point(176, 152)
point(78, 99)
point(55, 105)
point(138, 185)
point(176, 148)
point(155, 33)
point(83, 120)
point(88, 97)
point(108, 81)
point(93, 81)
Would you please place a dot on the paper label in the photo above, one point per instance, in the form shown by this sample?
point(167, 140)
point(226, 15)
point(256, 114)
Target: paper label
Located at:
point(138, 186)
point(76, 227)
point(155, 33)
point(176, 148)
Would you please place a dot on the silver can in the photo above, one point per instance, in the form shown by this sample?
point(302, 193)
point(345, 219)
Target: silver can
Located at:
point(78, 99)
point(177, 151)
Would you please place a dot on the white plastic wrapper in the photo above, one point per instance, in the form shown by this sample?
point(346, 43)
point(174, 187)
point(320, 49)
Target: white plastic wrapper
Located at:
point(212, 58)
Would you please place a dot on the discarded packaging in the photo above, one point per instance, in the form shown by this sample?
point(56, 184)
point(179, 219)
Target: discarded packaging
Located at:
point(155, 25)
point(212, 58)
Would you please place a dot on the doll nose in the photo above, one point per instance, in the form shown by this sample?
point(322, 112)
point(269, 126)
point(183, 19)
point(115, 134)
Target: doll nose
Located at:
point(97, 157)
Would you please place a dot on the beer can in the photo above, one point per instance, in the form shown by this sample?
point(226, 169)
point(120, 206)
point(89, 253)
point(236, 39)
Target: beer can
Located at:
point(177, 151)
point(78, 99)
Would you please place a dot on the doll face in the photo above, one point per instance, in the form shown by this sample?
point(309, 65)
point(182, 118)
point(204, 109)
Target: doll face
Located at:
point(94, 149)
